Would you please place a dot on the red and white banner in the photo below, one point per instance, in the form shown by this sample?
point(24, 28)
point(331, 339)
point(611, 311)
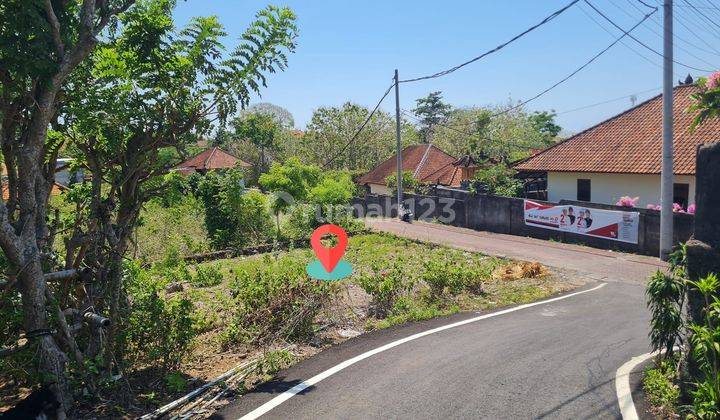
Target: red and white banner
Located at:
point(609, 224)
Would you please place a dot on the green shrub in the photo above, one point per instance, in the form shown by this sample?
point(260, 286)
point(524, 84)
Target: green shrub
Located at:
point(660, 388)
point(385, 286)
point(172, 268)
point(446, 275)
point(665, 297)
point(408, 309)
point(409, 182)
point(276, 299)
point(234, 217)
point(442, 276)
point(176, 188)
point(498, 179)
point(303, 219)
point(335, 190)
point(705, 340)
point(207, 275)
point(159, 330)
point(181, 226)
point(275, 361)
point(175, 382)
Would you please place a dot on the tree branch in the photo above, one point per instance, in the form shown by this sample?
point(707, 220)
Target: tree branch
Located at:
point(55, 28)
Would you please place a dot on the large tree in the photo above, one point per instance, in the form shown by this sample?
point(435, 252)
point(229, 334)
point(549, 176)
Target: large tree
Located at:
point(431, 111)
point(281, 115)
point(501, 131)
point(41, 43)
point(329, 142)
point(146, 92)
point(263, 132)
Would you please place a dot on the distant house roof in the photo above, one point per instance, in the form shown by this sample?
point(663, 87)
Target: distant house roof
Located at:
point(56, 190)
point(210, 159)
point(429, 165)
point(630, 142)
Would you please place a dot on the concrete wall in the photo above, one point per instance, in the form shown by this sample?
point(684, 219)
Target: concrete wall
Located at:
point(506, 215)
point(608, 188)
point(380, 189)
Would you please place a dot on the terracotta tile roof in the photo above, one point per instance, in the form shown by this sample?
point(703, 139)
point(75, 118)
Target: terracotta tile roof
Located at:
point(210, 159)
point(630, 142)
point(429, 165)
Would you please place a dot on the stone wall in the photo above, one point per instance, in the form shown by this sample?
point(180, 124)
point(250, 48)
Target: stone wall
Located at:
point(506, 215)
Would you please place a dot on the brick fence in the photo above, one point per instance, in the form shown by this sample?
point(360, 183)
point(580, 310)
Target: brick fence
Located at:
point(506, 215)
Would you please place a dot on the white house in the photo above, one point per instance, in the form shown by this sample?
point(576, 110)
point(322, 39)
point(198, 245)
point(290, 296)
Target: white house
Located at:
point(622, 155)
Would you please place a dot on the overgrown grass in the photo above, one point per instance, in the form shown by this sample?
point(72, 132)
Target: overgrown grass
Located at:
point(181, 226)
point(396, 272)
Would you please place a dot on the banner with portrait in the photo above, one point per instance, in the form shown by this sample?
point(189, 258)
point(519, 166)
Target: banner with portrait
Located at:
point(608, 224)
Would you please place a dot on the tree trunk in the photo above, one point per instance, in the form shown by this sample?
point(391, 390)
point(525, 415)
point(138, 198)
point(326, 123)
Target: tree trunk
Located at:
point(52, 360)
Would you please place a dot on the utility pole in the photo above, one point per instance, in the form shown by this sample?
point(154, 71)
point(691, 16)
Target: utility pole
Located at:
point(666, 183)
point(399, 146)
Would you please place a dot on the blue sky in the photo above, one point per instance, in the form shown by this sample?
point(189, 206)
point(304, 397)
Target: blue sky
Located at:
point(347, 51)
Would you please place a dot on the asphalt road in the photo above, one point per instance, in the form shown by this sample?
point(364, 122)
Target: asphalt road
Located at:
point(553, 360)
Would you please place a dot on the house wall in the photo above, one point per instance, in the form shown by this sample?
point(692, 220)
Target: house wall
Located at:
point(608, 188)
point(380, 189)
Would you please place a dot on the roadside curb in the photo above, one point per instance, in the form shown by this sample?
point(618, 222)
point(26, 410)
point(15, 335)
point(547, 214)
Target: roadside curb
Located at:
point(623, 388)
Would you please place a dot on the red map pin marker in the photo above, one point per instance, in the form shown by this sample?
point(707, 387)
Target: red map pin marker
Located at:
point(329, 257)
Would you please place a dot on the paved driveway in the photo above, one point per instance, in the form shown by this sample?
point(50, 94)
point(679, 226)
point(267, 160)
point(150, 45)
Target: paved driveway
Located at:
point(597, 264)
point(549, 360)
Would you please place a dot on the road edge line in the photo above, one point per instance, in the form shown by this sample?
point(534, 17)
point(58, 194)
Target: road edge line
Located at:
point(622, 385)
point(275, 402)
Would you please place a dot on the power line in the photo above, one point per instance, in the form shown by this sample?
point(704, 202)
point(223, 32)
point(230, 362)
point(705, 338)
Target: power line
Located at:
point(675, 35)
point(362, 127)
point(681, 20)
point(694, 21)
point(700, 7)
point(650, 28)
point(496, 49)
point(638, 41)
point(712, 8)
point(699, 12)
point(569, 76)
point(579, 69)
point(607, 101)
point(639, 54)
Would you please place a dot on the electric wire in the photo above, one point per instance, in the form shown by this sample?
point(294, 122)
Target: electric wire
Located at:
point(362, 127)
point(496, 49)
point(657, 23)
point(598, 11)
point(650, 28)
point(701, 13)
point(563, 80)
point(685, 18)
point(628, 46)
point(581, 108)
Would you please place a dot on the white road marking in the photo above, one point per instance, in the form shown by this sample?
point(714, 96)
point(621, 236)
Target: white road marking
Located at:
point(622, 385)
point(263, 409)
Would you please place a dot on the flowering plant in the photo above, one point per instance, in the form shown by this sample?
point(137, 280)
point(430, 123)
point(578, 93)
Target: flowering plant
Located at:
point(677, 208)
point(713, 81)
point(627, 201)
point(707, 101)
